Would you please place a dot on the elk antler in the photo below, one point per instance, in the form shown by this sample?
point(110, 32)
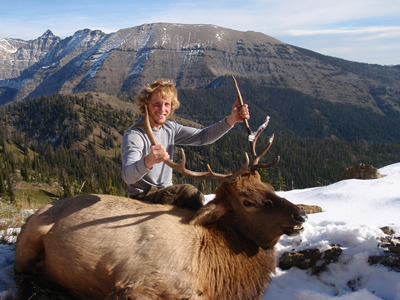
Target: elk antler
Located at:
point(253, 136)
point(180, 168)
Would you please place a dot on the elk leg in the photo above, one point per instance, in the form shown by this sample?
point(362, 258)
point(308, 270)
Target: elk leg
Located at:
point(30, 256)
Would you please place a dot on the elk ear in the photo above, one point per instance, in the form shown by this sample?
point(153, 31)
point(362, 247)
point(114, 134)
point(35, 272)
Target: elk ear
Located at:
point(208, 214)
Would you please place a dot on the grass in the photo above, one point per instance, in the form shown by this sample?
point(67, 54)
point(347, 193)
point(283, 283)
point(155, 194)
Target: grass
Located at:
point(11, 217)
point(35, 195)
point(28, 198)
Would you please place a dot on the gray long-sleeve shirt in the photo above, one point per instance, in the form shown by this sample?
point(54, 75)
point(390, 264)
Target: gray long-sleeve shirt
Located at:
point(136, 145)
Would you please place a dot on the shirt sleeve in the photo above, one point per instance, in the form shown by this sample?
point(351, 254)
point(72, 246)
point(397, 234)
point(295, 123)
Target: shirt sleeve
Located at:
point(133, 150)
point(197, 137)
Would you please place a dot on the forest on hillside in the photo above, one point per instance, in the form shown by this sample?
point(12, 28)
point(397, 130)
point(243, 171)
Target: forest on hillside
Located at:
point(70, 140)
point(74, 141)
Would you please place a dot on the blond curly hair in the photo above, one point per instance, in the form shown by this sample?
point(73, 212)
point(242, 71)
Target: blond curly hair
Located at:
point(165, 87)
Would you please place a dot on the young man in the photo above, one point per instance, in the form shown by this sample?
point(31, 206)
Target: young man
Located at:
point(143, 170)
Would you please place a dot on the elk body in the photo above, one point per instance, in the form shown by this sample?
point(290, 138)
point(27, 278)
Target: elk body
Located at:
point(99, 246)
point(109, 247)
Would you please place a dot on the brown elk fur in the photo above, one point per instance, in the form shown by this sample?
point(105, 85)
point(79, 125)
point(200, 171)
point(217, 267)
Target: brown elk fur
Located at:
point(109, 247)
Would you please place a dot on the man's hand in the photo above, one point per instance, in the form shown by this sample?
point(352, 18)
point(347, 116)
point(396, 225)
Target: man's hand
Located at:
point(239, 113)
point(157, 154)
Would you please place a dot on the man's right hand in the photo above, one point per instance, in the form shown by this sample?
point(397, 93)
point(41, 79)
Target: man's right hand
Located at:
point(157, 154)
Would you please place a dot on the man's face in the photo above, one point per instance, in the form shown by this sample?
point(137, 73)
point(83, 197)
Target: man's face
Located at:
point(159, 110)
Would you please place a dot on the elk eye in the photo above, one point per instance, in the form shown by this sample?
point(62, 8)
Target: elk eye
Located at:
point(247, 203)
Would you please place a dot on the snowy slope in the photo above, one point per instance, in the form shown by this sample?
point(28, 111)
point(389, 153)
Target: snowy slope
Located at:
point(353, 212)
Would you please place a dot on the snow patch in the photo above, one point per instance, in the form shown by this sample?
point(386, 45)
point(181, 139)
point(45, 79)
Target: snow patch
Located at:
point(353, 212)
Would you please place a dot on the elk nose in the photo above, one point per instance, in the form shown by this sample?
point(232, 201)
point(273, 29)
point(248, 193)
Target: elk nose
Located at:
point(300, 216)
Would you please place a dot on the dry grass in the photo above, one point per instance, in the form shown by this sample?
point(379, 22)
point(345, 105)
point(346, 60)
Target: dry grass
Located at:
point(28, 198)
point(10, 217)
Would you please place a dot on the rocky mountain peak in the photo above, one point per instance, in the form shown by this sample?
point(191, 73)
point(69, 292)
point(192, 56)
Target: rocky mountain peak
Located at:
point(48, 34)
point(194, 56)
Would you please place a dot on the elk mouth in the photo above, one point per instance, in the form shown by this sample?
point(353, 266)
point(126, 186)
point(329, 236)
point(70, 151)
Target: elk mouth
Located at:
point(292, 230)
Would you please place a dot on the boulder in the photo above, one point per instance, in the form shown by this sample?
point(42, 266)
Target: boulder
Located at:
point(310, 209)
point(362, 171)
point(312, 259)
point(391, 254)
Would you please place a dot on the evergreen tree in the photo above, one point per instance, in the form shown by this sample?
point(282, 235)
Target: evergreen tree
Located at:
point(25, 168)
point(3, 188)
point(265, 176)
point(10, 189)
point(280, 184)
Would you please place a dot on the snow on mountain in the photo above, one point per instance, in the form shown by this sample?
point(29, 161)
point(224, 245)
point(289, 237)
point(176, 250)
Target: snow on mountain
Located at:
point(7, 47)
point(192, 55)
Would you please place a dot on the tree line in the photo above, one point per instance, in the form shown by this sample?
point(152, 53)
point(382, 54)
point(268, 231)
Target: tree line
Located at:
point(74, 141)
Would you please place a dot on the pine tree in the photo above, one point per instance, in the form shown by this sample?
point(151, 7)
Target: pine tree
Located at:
point(280, 183)
point(3, 188)
point(10, 189)
point(265, 177)
point(111, 189)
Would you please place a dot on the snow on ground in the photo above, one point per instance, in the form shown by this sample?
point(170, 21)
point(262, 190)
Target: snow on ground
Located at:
point(353, 213)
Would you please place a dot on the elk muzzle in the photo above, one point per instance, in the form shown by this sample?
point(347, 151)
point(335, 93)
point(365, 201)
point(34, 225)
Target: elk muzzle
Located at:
point(298, 217)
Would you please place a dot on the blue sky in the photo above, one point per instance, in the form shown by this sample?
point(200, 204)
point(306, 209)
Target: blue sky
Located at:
point(357, 30)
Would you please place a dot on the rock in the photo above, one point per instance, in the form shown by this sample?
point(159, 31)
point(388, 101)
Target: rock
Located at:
point(310, 209)
point(390, 260)
point(391, 246)
point(387, 230)
point(312, 259)
point(361, 171)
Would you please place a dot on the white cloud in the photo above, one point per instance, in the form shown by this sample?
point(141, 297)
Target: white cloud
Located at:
point(381, 31)
point(341, 24)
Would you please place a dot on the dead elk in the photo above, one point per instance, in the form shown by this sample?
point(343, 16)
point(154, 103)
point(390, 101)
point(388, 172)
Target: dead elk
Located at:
point(110, 247)
point(99, 246)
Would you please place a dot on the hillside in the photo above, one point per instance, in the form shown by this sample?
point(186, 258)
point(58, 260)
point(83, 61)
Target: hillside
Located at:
point(194, 56)
point(67, 144)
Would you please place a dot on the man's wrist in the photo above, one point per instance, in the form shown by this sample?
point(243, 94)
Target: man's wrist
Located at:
point(230, 120)
point(147, 162)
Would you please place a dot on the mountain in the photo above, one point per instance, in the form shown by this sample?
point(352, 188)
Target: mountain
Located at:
point(194, 56)
point(327, 113)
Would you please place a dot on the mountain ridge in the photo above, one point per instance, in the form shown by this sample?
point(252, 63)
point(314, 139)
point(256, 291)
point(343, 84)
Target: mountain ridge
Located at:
point(193, 56)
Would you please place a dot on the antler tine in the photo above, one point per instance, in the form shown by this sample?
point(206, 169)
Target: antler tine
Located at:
point(210, 174)
point(180, 168)
point(253, 136)
point(265, 166)
point(246, 123)
point(147, 128)
point(257, 159)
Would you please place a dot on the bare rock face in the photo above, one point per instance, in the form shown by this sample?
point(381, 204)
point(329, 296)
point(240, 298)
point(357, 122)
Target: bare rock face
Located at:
point(193, 56)
point(362, 171)
point(19, 55)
